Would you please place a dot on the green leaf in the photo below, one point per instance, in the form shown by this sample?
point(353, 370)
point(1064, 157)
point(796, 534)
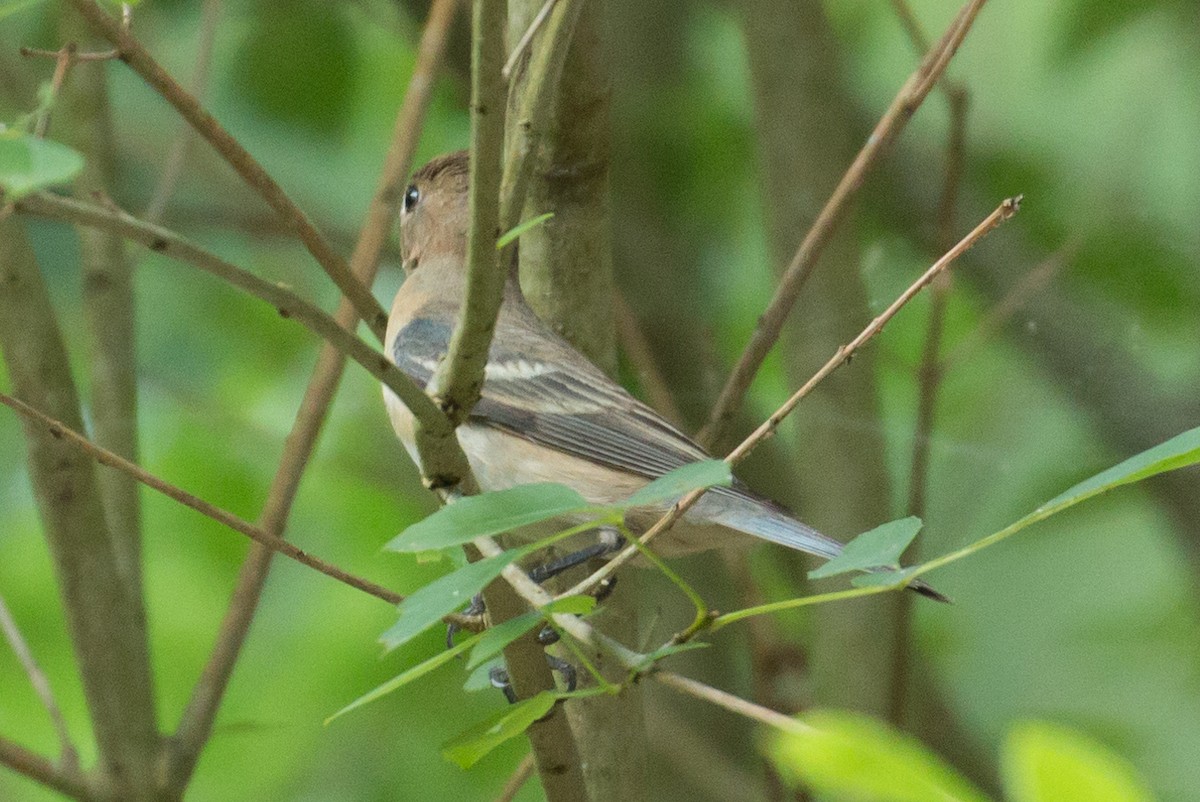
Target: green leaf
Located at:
point(28, 164)
point(489, 514)
point(467, 748)
point(1178, 452)
point(425, 607)
point(499, 636)
point(494, 639)
point(853, 756)
point(419, 670)
point(1044, 762)
point(671, 486)
point(579, 604)
point(668, 650)
point(880, 547)
point(521, 228)
point(887, 579)
point(480, 679)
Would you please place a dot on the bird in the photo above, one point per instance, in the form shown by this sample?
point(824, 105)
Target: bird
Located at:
point(546, 412)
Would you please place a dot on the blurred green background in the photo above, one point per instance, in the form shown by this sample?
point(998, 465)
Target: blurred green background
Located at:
point(1090, 109)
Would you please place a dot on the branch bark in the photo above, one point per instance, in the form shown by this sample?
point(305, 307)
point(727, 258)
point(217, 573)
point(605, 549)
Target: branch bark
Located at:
point(198, 718)
point(559, 128)
point(84, 121)
point(106, 627)
point(131, 51)
point(906, 102)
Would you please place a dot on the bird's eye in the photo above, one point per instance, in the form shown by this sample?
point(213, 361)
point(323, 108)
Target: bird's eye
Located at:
point(411, 196)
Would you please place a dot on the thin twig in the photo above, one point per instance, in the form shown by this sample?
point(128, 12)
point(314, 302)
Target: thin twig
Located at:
point(210, 14)
point(140, 61)
point(534, 107)
point(41, 686)
point(526, 38)
point(197, 720)
point(516, 781)
point(1003, 212)
point(35, 767)
point(639, 353)
point(736, 704)
point(929, 374)
point(65, 58)
point(770, 324)
point(289, 304)
point(37, 52)
point(105, 457)
point(459, 379)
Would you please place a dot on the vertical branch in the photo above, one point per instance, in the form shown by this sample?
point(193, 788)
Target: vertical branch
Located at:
point(559, 126)
point(802, 130)
point(85, 123)
point(460, 378)
point(106, 628)
point(929, 379)
point(198, 718)
point(803, 262)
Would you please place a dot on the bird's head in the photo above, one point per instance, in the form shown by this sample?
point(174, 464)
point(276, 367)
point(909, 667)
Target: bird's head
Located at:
point(434, 213)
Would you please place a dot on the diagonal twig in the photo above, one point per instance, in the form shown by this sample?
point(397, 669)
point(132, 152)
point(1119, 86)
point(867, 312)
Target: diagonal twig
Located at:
point(60, 431)
point(134, 54)
point(1002, 213)
point(197, 719)
point(41, 686)
point(893, 121)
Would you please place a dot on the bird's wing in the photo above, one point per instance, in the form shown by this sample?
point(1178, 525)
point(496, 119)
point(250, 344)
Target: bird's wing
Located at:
point(539, 388)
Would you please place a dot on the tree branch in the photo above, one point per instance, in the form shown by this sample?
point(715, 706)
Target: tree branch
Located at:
point(71, 438)
point(85, 123)
point(38, 768)
point(168, 243)
point(41, 686)
point(106, 628)
point(131, 51)
point(906, 102)
point(200, 714)
point(1002, 213)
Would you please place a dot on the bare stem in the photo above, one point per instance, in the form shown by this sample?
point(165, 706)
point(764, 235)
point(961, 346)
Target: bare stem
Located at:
point(735, 704)
point(140, 61)
point(1002, 213)
point(63, 433)
point(37, 768)
point(41, 686)
point(197, 720)
point(770, 325)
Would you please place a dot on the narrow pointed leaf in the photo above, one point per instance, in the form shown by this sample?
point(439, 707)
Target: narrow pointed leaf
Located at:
point(419, 670)
point(489, 514)
point(1178, 452)
point(425, 607)
point(670, 487)
point(881, 546)
point(521, 228)
point(494, 639)
point(467, 748)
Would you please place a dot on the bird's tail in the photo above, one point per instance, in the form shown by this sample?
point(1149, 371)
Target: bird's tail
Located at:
point(768, 521)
